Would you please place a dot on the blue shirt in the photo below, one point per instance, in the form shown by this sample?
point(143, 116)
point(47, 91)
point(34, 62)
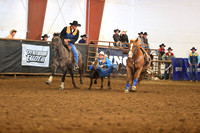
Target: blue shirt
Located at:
point(193, 55)
point(81, 41)
point(107, 63)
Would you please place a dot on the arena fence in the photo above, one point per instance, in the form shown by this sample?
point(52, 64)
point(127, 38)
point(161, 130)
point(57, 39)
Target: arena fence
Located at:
point(31, 57)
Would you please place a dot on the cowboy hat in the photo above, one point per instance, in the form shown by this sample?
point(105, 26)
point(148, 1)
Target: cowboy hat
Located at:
point(13, 30)
point(75, 23)
point(124, 30)
point(117, 30)
point(140, 33)
point(170, 48)
point(102, 53)
point(193, 48)
point(84, 35)
point(162, 45)
point(45, 35)
point(145, 33)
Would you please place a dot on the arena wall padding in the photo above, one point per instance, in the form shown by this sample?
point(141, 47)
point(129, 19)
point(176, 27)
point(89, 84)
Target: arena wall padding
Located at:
point(11, 55)
point(181, 69)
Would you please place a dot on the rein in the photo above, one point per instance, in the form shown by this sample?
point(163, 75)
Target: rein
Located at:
point(134, 52)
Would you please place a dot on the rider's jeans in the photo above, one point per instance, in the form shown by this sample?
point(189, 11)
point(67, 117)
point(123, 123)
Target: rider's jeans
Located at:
point(74, 52)
point(106, 72)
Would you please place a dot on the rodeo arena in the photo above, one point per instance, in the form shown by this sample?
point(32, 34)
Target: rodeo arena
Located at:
point(99, 66)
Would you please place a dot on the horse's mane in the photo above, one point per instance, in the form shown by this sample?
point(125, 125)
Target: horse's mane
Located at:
point(56, 34)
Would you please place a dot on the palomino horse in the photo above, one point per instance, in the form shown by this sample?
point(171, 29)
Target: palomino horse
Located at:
point(136, 65)
point(64, 60)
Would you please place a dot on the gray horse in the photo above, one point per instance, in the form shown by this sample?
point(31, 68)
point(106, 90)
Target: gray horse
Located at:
point(64, 60)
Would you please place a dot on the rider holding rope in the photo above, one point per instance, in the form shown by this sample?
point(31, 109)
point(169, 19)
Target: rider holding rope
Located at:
point(69, 36)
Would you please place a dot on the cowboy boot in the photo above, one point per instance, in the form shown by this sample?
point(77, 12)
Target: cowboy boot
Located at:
point(76, 67)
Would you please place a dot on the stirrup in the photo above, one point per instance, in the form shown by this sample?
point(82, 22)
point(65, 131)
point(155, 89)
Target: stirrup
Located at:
point(76, 67)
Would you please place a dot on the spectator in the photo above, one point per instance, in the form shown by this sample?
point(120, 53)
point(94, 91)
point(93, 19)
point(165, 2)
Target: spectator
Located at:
point(84, 38)
point(69, 36)
point(194, 61)
point(141, 37)
point(116, 38)
point(146, 43)
point(161, 51)
point(104, 66)
point(12, 34)
point(45, 37)
point(124, 37)
point(168, 56)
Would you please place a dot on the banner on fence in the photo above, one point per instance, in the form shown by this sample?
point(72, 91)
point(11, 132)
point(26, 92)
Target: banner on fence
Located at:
point(33, 55)
point(115, 55)
point(181, 69)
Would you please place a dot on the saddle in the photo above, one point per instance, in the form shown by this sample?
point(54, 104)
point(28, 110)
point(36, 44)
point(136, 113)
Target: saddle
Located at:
point(145, 57)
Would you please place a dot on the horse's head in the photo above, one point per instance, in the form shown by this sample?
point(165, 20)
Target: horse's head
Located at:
point(133, 47)
point(56, 40)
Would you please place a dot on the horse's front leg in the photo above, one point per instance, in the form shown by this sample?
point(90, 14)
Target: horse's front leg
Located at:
point(72, 75)
point(137, 75)
point(109, 87)
point(101, 83)
point(63, 80)
point(91, 81)
point(131, 76)
point(48, 82)
point(128, 71)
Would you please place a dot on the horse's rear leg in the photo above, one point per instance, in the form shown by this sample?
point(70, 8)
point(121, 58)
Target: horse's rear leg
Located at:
point(109, 87)
point(101, 83)
point(137, 74)
point(48, 82)
point(72, 75)
point(81, 74)
point(63, 80)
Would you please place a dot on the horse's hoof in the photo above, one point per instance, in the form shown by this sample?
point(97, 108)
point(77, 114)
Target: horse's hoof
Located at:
point(61, 88)
point(81, 82)
point(126, 91)
point(133, 88)
point(76, 87)
point(48, 82)
point(89, 88)
point(101, 88)
point(109, 88)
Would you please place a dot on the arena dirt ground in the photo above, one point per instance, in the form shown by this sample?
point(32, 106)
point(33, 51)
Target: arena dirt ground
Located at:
point(27, 104)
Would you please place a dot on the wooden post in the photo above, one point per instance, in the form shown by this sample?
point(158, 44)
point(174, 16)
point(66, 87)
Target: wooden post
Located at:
point(36, 15)
point(94, 16)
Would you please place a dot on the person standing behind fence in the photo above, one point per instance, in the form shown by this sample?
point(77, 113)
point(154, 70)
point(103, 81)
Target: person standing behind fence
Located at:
point(84, 38)
point(194, 61)
point(141, 38)
point(45, 37)
point(161, 51)
point(146, 43)
point(168, 56)
point(12, 34)
point(124, 38)
point(116, 38)
point(69, 36)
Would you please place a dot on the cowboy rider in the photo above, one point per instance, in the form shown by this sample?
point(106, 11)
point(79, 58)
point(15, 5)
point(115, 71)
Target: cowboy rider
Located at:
point(69, 36)
point(193, 61)
point(104, 66)
point(168, 56)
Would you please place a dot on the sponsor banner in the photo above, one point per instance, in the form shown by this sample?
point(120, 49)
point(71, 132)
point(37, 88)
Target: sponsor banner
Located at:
point(34, 55)
point(181, 69)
